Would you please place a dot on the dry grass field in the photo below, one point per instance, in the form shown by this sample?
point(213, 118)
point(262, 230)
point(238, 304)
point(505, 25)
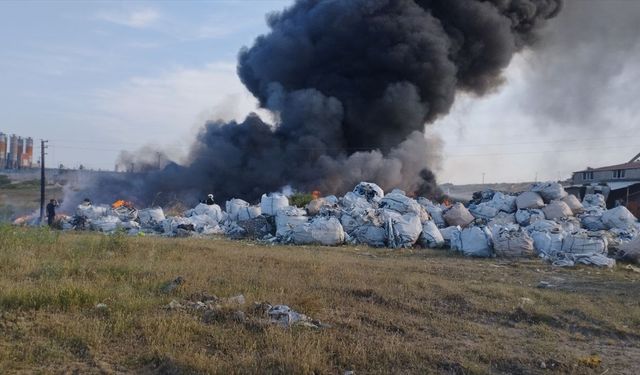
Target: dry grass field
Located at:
point(419, 311)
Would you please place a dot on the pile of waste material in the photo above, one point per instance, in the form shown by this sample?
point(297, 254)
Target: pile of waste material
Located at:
point(543, 221)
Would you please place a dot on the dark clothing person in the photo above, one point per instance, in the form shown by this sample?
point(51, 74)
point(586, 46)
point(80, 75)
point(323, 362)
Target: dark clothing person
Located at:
point(209, 201)
point(51, 211)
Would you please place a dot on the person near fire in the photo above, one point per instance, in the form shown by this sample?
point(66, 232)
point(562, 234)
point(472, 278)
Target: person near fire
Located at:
point(51, 211)
point(209, 201)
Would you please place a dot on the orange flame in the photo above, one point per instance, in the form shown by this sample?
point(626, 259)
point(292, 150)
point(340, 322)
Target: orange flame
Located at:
point(121, 203)
point(315, 194)
point(447, 202)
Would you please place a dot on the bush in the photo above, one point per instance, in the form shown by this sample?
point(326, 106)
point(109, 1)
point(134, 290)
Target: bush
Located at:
point(300, 199)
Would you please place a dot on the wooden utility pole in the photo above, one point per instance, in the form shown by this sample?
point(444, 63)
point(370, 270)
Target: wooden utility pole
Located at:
point(42, 177)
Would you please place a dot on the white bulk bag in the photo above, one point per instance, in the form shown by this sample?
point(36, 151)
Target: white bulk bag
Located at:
point(270, 204)
point(403, 231)
point(399, 202)
point(434, 210)
point(150, 217)
point(371, 235)
point(594, 200)
point(529, 199)
point(483, 211)
point(105, 223)
point(370, 191)
point(573, 203)
point(556, 210)
point(448, 233)
point(583, 243)
point(619, 217)
point(288, 218)
point(431, 236)
point(549, 191)
point(547, 244)
point(473, 241)
point(322, 230)
point(458, 215)
point(512, 241)
point(503, 202)
point(529, 216)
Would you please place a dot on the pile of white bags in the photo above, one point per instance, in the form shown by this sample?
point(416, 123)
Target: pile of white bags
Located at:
point(434, 210)
point(403, 231)
point(594, 200)
point(526, 217)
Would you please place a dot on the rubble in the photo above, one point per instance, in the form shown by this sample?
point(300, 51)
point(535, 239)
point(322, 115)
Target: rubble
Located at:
point(543, 221)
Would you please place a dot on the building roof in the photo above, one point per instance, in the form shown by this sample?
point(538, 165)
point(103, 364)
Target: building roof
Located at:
point(630, 165)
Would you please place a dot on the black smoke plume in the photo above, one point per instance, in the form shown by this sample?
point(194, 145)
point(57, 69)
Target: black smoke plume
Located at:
point(351, 85)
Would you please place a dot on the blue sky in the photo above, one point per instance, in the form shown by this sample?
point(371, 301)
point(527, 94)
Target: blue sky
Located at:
point(97, 77)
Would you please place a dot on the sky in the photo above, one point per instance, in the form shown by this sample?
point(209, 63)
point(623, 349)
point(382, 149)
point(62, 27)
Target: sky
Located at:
point(95, 78)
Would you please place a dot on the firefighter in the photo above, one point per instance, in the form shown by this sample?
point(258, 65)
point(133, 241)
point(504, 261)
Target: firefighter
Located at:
point(51, 211)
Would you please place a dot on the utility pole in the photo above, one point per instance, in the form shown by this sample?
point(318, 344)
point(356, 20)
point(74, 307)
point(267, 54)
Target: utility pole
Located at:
point(482, 178)
point(42, 178)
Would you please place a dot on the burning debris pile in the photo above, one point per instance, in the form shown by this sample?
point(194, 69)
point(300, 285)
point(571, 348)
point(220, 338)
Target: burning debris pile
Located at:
point(543, 221)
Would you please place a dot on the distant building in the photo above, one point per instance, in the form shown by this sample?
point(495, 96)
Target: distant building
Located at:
point(620, 184)
point(15, 152)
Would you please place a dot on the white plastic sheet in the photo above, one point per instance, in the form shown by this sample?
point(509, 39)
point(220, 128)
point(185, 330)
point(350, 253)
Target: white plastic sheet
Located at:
point(150, 217)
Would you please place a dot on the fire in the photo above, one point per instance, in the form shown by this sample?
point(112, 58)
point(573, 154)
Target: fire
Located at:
point(121, 203)
point(447, 202)
point(315, 194)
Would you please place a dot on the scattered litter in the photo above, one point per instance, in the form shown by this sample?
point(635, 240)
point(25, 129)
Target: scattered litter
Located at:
point(285, 317)
point(545, 285)
point(632, 268)
point(172, 285)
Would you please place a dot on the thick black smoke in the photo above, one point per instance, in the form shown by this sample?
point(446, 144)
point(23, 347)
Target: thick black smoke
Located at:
point(351, 84)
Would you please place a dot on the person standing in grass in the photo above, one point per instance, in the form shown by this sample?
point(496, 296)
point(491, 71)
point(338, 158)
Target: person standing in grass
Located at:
point(51, 211)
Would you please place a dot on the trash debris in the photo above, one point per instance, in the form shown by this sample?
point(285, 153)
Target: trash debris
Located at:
point(544, 285)
point(321, 230)
point(172, 285)
point(285, 317)
point(594, 200)
point(370, 191)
